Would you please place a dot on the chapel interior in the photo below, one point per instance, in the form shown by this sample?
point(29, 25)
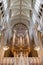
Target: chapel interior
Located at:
point(21, 32)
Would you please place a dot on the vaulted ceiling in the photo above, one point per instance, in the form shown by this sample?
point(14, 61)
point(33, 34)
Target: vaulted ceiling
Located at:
point(21, 11)
point(18, 11)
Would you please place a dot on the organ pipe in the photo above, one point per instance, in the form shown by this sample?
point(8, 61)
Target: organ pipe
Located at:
point(21, 40)
point(14, 36)
point(27, 37)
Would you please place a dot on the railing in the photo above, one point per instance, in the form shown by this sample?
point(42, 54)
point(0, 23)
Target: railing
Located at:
point(21, 61)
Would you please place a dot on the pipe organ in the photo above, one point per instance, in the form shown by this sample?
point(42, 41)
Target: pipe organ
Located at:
point(19, 44)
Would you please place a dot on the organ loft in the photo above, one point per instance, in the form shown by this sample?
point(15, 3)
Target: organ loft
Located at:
point(21, 32)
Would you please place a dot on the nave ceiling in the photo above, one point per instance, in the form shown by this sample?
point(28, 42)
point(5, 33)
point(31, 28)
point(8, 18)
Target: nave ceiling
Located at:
point(16, 11)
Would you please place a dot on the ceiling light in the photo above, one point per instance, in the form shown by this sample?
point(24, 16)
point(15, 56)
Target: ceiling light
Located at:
point(5, 48)
point(37, 48)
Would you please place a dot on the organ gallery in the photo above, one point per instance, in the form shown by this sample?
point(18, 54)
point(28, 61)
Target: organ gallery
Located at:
point(21, 32)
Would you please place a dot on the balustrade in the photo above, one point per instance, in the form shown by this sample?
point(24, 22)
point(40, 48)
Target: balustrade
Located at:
point(21, 61)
